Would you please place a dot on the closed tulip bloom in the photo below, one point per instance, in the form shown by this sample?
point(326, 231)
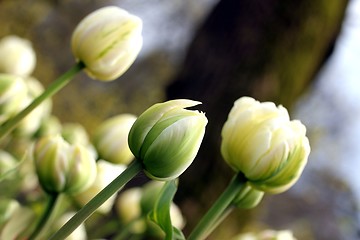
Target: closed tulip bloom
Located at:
point(111, 139)
point(16, 56)
point(259, 140)
point(62, 167)
point(107, 41)
point(167, 137)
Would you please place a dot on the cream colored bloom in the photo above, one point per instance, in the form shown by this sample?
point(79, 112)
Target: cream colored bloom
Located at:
point(167, 137)
point(111, 139)
point(16, 56)
point(106, 173)
point(62, 167)
point(259, 140)
point(107, 41)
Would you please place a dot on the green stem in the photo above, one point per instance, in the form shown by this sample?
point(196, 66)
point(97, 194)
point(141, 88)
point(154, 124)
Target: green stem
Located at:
point(50, 91)
point(45, 216)
point(85, 212)
point(211, 219)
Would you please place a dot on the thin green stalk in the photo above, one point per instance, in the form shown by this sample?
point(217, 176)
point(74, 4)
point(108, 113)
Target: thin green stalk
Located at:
point(211, 219)
point(45, 216)
point(85, 212)
point(50, 91)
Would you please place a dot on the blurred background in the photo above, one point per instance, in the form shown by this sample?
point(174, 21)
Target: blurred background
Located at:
point(301, 54)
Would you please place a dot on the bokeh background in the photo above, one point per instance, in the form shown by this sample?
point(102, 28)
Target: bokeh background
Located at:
point(302, 54)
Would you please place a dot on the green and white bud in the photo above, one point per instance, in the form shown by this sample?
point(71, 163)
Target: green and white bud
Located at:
point(106, 173)
point(111, 139)
point(62, 167)
point(107, 41)
point(16, 56)
point(249, 197)
point(13, 92)
point(259, 140)
point(7, 209)
point(167, 137)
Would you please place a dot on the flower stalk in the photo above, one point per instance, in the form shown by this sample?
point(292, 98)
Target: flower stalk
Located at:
point(85, 212)
point(59, 83)
point(219, 209)
point(45, 216)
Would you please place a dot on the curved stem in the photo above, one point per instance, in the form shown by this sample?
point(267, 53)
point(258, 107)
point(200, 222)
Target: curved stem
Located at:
point(45, 216)
point(211, 219)
point(50, 91)
point(85, 212)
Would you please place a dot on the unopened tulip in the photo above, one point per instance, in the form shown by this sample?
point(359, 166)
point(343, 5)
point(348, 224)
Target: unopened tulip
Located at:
point(259, 140)
point(62, 167)
point(16, 56)
point(107, 41)
point(167, 137)
point(111, 139)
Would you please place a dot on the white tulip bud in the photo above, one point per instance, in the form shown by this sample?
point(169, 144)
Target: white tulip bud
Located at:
point(259, 140)
point(107, 41)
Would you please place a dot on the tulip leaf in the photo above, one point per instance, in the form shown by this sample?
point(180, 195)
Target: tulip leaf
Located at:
point(161, 212)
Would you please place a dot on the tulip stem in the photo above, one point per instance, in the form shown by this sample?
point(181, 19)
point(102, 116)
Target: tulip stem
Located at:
point(218, 210)
point(57, 85)
point(45, 216)
point(131, 171)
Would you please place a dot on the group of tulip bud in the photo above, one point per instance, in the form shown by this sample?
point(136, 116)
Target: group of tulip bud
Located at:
point(258, 139)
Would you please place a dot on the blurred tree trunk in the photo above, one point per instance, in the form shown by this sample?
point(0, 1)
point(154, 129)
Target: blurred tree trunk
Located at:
point(270, 50)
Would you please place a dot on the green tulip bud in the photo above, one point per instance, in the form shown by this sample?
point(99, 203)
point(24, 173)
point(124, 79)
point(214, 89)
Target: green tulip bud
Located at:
point(249, 197)
point(111, 139)
point(16, 56)
point(167, 137)
point(7, 209)
point(259, 140)
point(107, 41)
point(62, 167)
point(12, 94)
point(106, 173)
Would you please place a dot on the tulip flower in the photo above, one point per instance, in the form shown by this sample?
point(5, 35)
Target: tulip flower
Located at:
point(16, 56)
point(107, 41)
point(62, 167)
point(260, 141)
point(167, 137)
point(111, 139)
